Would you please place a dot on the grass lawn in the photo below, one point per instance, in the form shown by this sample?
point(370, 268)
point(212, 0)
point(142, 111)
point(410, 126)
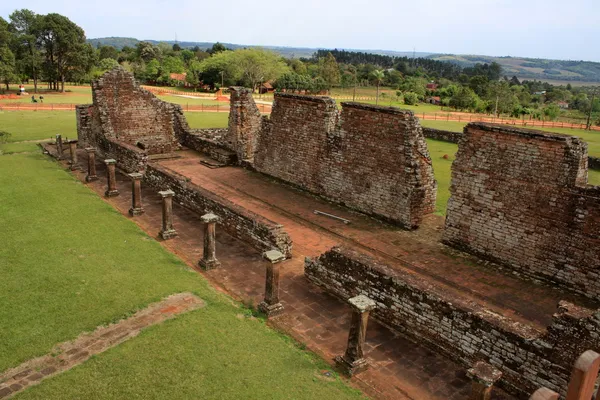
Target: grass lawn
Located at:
point(36, 125)
point(69, 262)
point(201, 120)
point(442, 170)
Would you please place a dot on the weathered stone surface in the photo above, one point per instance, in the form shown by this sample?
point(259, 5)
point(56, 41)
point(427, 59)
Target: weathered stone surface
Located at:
point(244, 123)
point(353, 361)
point(372, 159)
point(527, 356)
point(271, 304)
point(167, 231)
point(519, 198)
point(209, 258)
point(136, 194)
point(254, 229)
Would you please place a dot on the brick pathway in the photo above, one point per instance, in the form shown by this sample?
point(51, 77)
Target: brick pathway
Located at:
point(69, 354)
point(400, 368)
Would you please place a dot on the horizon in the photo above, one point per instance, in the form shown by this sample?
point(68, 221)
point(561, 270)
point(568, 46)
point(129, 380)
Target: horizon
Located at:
point(498, 28)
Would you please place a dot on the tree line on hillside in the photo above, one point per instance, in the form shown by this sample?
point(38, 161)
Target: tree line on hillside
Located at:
point(52, 49)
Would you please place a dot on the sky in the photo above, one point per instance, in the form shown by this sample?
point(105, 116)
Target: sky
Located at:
point(527, 28)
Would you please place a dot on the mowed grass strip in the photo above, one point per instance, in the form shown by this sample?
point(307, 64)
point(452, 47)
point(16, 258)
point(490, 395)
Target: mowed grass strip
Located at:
point(69, 262)
point(37, 125)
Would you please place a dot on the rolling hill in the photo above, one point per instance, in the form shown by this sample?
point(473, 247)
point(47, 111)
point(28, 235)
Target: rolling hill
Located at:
point(554, 71)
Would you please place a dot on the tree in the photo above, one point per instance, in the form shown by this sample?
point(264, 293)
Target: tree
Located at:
point(552, 111)
point(65, 48)
point(176, 47)
point(502, 97)
point(108, 52)
point(464, 99)
point(217, 48)
point(7, 58)
point(25, 26)
point(221, 67)
point(378, 76)
point(329, 70)
point(258, 65)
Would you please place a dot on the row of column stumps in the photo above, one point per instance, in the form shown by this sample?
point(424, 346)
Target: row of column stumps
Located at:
point(352, 362)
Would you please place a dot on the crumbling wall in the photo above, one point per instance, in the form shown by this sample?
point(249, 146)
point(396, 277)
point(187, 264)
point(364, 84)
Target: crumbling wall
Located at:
point(528, 356)
point(260, 232)
point(372, 159)
point(519, 198)
point(133, 115)
point(244, 124)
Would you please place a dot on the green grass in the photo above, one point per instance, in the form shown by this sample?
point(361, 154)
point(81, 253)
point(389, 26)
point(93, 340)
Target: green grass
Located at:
point(37, 125)
point(19, 147)
point(201, 120)
point(594, 177)
point(442, 170)
point(69, 262)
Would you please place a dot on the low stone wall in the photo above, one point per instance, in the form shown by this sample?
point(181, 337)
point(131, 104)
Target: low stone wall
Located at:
point(206, 141)
point(129, 158)
point(445, 136)
point(261, 233)
point(528, 356)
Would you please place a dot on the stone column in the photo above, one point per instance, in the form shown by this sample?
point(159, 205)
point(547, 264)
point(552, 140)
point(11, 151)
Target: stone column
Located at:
point(73, 151)
point(136, 194)
point(271, 304)
point(91, 154)
point(167, 231)
point(483, 377)
point(583, 376)
point(111, 177)
point(353, 361)
point(59, 146)
point(209, 259)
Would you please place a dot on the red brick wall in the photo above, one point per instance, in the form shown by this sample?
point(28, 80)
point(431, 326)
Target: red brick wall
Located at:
point(133, 115)
point(372, 159)
point(518, 197)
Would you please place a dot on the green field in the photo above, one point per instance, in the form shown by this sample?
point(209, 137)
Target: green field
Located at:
point(69, 262)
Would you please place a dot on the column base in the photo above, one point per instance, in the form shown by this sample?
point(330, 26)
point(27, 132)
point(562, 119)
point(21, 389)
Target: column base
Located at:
point(209, 264)
point(111, 193)
point(272, 310)
point(136, 211)
point(75, 167)
point(351, 368)
point(168, 234)
point(91, 178)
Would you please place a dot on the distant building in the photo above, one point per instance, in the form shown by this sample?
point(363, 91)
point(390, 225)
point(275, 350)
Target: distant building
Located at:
point(431, 86)
point(266, 87)
point(179, 78)
point(434, 100)
point(563, 105)
point(543, 92)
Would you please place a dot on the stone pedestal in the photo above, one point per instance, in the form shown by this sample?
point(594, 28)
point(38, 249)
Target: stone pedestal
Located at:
point(59, 147)
point(73, 152)
point(353, 361)
point(544, 394)
point(91, 155)
point(583, 376)
point(271, 304)
point(111, 177)
point(483, 377)
point(209, 259)
point(167, 231)
point(136, 194)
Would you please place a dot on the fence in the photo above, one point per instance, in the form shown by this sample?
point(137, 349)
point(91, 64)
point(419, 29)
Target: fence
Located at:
point(267, 108)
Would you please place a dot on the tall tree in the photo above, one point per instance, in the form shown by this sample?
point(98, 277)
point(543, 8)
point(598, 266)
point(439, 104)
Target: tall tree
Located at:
point(25, 26)
point(378, 76)
point(65, 47)
point(7, 58)
point(329, 70)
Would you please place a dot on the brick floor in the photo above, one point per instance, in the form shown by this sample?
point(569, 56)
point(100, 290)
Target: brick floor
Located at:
point(400, 368)
point(66, 355)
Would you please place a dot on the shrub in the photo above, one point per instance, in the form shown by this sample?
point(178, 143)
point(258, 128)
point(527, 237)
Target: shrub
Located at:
point(411, 98)
point(4, 136)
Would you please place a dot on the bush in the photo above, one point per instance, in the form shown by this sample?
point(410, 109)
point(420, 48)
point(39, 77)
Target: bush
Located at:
point(4, 136)
point(411, 98)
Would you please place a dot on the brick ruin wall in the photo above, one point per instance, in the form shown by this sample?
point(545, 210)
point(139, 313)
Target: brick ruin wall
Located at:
point(528, 356)
point(519, 198)
point(244, 123)
point(454, 137)
point(261, 233)
point(368, 158)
